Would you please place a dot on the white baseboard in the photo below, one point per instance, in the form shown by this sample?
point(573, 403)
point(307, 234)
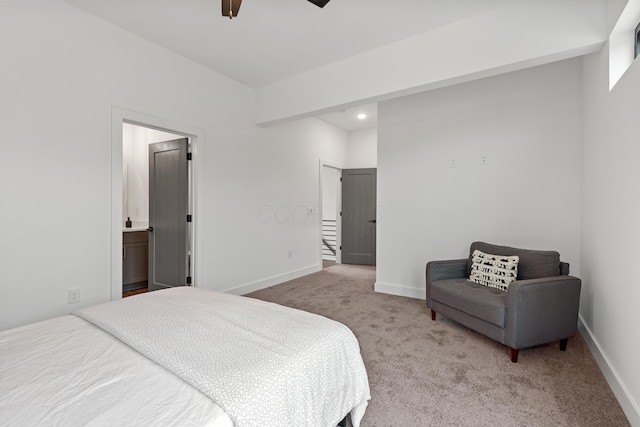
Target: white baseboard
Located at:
point(629, 406)
point(271, 281)
point(402, 291)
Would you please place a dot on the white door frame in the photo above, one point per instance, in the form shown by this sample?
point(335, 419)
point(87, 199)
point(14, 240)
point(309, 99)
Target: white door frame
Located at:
point(338, 208)
point(119, 116)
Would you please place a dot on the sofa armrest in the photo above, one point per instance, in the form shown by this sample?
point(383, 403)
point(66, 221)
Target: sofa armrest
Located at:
point(441, 270)
point(541, 310)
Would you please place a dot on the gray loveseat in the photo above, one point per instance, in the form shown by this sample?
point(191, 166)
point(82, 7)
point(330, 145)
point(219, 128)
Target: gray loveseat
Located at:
point(539, 307)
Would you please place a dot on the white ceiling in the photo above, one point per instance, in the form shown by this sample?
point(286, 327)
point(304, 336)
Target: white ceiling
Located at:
point(292, 52)
point(272, 41)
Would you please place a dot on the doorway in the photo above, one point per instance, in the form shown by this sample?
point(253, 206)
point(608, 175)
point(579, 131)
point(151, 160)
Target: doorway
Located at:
point(155, 209)
point(348, 200)
point(121, 205)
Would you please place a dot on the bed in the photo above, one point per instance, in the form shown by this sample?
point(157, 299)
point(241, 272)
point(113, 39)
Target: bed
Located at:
point(182, 357)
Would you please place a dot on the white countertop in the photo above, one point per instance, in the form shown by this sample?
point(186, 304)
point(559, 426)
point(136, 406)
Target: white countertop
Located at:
point(135, 226)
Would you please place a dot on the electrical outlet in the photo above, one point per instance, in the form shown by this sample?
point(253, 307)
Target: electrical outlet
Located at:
point(483, 159)
point(74, 295)
point(453, 163)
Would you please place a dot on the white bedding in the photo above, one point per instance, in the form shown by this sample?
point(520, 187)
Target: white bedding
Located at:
point(67, 372)
point(264, 364)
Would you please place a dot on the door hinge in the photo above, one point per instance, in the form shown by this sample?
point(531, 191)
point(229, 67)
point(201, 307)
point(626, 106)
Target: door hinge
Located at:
point(340, 179)
point(189, 156)
point(188, 280)
point(340, 247)
point(189, 218)
point(340, 213)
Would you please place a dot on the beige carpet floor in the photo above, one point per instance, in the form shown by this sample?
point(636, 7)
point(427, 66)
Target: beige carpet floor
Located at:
point(425, 373)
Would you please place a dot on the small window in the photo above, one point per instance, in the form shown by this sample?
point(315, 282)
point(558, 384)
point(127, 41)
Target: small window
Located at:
point(637, 44)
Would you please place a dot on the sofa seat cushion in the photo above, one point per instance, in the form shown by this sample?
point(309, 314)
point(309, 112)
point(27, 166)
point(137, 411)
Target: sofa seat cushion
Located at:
point(488, 304)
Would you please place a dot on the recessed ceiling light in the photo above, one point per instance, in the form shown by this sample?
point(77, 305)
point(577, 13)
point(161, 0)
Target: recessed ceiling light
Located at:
point(362, 116)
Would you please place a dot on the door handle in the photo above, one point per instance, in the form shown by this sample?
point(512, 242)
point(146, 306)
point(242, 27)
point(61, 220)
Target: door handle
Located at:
point(150, 229)
point(372, 220)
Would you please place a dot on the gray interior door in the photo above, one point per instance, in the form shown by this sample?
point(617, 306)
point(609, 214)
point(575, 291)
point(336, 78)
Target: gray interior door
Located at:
point(359, 216)
point(168, 208)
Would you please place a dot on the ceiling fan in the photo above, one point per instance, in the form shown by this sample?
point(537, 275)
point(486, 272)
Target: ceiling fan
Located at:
point(230, 8)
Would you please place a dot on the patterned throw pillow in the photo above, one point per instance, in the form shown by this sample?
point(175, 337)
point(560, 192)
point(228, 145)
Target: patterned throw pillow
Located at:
point(494, 271)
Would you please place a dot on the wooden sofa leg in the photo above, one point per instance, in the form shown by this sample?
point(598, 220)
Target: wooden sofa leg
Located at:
point(563, 344)
point(433, 315)
point(514, 355)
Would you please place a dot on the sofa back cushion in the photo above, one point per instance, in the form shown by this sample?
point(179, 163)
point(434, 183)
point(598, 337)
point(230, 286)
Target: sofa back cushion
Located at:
point(533, 264)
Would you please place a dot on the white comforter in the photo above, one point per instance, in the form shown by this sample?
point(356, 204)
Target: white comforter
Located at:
point(264, 364)
point(67, 372)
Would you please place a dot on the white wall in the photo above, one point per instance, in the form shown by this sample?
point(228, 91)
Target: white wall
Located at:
point(271, 176)
point(330, 183)
point(611, 227)
point(528, 123)
point(63, 72)
point(362, 151)
point(330, 204)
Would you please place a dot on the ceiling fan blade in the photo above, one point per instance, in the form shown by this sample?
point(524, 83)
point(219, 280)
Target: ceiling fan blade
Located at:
point(319, 3)
point(230, 8)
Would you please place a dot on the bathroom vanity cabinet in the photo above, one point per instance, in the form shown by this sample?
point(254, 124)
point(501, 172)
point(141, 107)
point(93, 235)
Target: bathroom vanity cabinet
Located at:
point(135, 252)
